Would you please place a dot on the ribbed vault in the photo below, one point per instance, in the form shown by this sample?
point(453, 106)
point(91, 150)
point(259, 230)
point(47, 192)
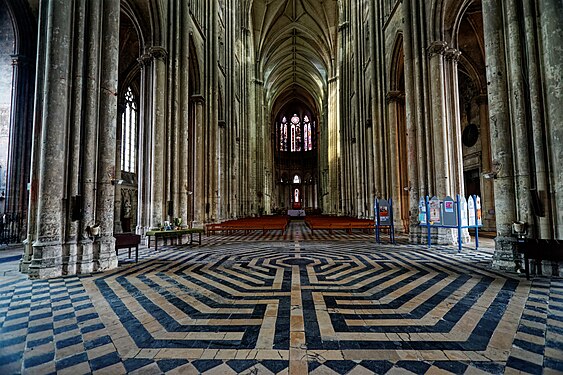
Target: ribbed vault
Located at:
point(295, 43)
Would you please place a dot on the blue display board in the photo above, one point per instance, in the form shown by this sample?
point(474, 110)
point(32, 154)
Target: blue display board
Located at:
point(384, 218)
point(459, 214)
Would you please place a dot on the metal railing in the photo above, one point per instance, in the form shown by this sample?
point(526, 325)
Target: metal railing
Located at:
point(12, 226)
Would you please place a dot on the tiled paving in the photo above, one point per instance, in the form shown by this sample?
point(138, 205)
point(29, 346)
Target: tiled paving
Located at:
point(269, 305)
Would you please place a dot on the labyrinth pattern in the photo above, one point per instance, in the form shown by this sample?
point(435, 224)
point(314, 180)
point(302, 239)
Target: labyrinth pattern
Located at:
point(311, 307)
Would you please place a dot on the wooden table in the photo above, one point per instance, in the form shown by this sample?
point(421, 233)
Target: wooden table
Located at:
point(174, 233)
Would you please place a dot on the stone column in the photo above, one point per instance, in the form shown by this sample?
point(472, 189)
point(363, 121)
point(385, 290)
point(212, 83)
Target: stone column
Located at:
point(47, 183)
point(545, 229)
point(439, 119)
point(413, 135)
point(518, 119)
point(184, 118)
point(452, 56)
point(332, 206)
point(488, 198)
point(551, 22)
point(105, 194)
point(20, 136)
point(393, 98)
point(144, 144)
point(199, 186)
point(90, 137)
point(501, 146)
point(158, 204)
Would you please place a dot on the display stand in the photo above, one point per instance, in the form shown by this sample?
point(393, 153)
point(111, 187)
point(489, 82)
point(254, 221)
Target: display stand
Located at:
point(458, 214)
point(384, 219)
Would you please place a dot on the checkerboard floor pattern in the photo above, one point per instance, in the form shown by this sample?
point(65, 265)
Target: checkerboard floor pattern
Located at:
point(330, 305)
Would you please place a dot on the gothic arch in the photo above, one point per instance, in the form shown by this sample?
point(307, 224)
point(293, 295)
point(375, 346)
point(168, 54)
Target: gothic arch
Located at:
point(397, 61)
point(398, 135)
point(446, 15)
point(194, 70)
point(20, 126)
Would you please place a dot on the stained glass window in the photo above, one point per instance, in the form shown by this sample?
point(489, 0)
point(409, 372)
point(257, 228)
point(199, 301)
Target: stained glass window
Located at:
point(129, 133)
point(283, 135)
point(300, 134)
point(296, 133)
point(307, 134)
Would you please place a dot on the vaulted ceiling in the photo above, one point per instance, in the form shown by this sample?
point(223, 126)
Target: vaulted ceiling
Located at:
point(295, 46)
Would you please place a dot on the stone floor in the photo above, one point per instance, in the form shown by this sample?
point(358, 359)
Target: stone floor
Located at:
point(284, 304)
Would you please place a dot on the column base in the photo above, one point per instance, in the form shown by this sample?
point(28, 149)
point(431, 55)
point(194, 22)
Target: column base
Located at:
point(505, 256)
point(46, 260)
point(86, 259)
point(107, 258)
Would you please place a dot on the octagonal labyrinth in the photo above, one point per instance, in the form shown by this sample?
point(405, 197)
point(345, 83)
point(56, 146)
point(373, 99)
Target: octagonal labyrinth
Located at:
point(293, 301)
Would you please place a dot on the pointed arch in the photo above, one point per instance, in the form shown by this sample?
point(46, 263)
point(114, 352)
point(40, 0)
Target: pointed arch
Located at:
point(194, 70)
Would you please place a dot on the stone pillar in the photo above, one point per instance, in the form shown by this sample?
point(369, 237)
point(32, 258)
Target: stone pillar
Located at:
point(184, 205)
point(199, 183)
point(488, 198)
point(20, 136)
point(544, 229)
point(439, 119)
point(158, 204)
point(144, 144)
point(105, 194)
point(518, 119)
point(501, 139)
point(551, 22)
point(393, 98)
point(453, 130)
point(415, 153)
point(47, 184)
point(334, 145)
point(90, 138)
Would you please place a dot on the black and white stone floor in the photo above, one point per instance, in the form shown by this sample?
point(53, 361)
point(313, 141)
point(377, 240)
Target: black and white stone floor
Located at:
point(284, 304)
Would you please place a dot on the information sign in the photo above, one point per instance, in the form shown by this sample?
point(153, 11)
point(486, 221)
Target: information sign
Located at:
point(463, 211)
point(435, 211)
point(471, 210)
point(478, 208)
point(422, 211)
point(384, 218)
point(449, 216)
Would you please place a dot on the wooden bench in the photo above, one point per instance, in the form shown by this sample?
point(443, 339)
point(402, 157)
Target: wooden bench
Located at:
point(338, 223)
point(264, 224)
point(127, 241)
point(176, 234)
point(539, 250)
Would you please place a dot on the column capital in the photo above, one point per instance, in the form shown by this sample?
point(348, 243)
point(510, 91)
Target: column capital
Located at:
point(452, 54)
point(144, 60)
point(18, 59)
point(395, 96)
point(198, 98)
point(437, 47)
point(158, 52)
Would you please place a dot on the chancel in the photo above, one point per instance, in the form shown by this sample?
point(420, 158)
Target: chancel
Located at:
point(248, 151)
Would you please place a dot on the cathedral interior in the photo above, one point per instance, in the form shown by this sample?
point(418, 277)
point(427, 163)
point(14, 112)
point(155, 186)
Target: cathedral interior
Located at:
point(122, 116)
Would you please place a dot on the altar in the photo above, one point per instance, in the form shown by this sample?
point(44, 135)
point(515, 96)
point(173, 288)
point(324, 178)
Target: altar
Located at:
point(296, 213)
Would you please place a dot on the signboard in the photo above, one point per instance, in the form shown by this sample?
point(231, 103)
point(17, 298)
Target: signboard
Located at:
point(435, 211)
point(449, 214)
point(478, 207)
point(422, 211)
point(471, 210)
point(463, 211)
point(384, 214)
